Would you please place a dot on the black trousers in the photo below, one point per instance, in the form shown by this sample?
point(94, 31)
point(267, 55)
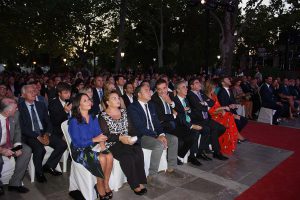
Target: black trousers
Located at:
point(215, 131)
point(204, 141)
point(241, 123)
point(185, 137)
point(131, 160)
point(38, 151)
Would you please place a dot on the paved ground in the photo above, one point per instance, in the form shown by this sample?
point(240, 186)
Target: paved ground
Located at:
point(213, 180)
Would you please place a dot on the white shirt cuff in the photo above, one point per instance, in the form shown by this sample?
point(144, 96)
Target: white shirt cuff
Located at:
point(17, 144)
point(172, 104)
point(162, 134)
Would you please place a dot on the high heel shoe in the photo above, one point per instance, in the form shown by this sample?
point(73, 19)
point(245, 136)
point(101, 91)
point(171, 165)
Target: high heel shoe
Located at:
point(109, 194)
point(105, 197)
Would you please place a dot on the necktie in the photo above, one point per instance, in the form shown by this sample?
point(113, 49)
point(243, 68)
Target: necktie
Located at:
point(148, 118)
point(187, 117)
point(100, 94)
point(8, 144)
point(204, 114)
point(167, 108)
point(35, 120)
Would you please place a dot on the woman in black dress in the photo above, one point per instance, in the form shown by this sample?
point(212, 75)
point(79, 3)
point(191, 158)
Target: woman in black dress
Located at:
point(114, 124)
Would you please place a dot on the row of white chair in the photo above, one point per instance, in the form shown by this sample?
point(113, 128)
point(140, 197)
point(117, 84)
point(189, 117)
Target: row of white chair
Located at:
point(81, 179)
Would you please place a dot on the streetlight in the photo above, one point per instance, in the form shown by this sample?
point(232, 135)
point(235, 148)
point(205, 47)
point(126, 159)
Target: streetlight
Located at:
point(154, 59)
point(218, 56)
point(65, 60)
point(122, 54)
point(34, 62)
point(18, 64)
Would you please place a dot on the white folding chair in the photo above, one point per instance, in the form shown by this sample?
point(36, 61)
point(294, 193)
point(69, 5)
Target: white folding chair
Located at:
point(31, 168)
point(80, 178)
point(163, 164)
point(266, 115)
point(8, 169)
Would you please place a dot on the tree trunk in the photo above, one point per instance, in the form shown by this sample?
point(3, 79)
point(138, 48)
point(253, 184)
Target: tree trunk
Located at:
point(161, 38)
point(123, 11)
point(227, 42)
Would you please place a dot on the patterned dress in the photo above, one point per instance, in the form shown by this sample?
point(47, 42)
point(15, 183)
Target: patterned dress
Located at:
point(82, 135)
point(228, 140)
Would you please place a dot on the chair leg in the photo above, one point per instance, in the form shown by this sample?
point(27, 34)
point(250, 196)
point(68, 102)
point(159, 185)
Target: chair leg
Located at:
point(65, 160)
point(31, 170)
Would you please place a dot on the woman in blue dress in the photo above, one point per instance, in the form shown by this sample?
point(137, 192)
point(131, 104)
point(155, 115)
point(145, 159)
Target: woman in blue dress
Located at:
point(85, 133)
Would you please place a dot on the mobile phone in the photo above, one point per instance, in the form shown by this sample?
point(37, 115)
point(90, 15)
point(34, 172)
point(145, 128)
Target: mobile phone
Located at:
point(19, 147)
point(68, 101)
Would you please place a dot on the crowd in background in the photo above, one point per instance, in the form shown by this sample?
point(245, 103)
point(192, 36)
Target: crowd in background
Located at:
point(124, 113)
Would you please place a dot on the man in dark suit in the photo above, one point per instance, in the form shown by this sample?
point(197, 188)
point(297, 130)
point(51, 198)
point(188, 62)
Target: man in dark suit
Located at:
point(98, 94)
point(36, 130)
point(52, 93)
point(167, 117)
point(60, 108)
point(226, 98)
point(268, 99)
point(128, 95)
point(185, 124)
point(199, 103)
point(120, 82)
point(10, 136)
point(146, 126)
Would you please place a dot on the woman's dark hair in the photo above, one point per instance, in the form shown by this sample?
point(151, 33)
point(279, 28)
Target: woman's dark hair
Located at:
point(75, 107)
point(106, 96)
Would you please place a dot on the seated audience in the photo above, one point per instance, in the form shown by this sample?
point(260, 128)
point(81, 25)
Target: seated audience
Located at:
point(184, 122)
point(128, 95)
point(167, 117)
point(85, 133)
point(226, 98)
point(242, 98)
point(199, 103)
point(10, 137)
point(60, 107)
point(146, 126)
point(221, 115)
point(268, 99)
point(37, 132)
point(114, 124)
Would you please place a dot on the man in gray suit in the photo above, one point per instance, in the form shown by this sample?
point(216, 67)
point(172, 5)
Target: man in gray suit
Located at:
point(10, 137)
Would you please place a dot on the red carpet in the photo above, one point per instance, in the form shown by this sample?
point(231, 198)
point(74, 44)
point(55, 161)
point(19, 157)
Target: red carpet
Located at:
point(283, 182)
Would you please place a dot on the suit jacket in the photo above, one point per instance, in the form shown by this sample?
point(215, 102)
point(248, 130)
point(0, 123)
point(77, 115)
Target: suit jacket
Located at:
point(57, 116)
point(126, 100)
point(181, 118)
point(267, 96)
point(119, 91)
point(166, 120)
point(15, 131)
point(196, 107)
point(26, 123)
point(225, 99)
point(137, 117)
point(96, 101)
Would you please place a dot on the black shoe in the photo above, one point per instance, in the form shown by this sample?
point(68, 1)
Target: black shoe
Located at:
point(194, 161)
point(219, 156)
point(40, 178)
point(179, 162)
point(109, 194)
point(1, 190)
point(20, 189)
point(51, 171)
point(203, 156)
point(142, 192)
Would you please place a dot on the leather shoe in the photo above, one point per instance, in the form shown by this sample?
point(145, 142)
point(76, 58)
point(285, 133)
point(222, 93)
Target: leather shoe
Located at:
point(1, 190)
point(51, 171)
point(41, 178)
point(219, 156)
point(203, 156)
point(194, 161)
point(20, 189)
point(179, 162)
point(142, 192)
